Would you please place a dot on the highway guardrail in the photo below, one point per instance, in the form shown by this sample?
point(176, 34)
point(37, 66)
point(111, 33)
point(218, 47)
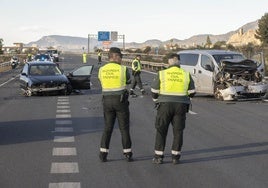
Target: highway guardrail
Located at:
point(5, 66)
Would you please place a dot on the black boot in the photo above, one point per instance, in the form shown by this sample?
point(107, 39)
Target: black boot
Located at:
point(103, 156)
point(176, 159)
point(128, 156)
point(131, 92)
point(158, 159)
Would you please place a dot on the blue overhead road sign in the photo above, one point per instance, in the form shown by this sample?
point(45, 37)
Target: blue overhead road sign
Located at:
point(103, 35)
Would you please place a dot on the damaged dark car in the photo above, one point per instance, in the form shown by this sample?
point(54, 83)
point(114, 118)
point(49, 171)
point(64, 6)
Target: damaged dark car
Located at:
point(39, 78)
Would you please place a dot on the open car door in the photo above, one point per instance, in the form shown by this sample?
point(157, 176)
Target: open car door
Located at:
point(80, 77)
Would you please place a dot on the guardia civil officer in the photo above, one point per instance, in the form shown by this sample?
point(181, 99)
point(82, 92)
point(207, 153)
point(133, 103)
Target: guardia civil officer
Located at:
point(171, 91)
point(136, 71)
point(84, 57)
point(99, 57)
point(114, 77)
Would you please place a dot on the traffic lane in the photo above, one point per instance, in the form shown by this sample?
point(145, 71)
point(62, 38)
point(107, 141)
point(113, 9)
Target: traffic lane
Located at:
point(230, 140)
point(221, 150)
point(220, 163)
point(26, 127)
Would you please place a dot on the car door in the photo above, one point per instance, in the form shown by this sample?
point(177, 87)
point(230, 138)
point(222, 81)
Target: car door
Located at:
point(80, 77)
point(24, 79)
point(205, 75)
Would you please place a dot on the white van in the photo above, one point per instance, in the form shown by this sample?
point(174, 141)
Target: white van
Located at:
point(208, 70)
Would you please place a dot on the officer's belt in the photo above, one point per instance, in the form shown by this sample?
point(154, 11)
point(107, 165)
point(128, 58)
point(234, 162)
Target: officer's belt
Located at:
point(111, 96)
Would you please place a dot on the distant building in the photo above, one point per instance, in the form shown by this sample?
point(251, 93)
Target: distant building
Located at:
point(18, 48)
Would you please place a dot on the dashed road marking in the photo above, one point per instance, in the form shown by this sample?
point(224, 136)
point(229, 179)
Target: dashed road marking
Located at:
point(64, 168)
point(63, 138)
point(63, 103)
point(63, 115)
point(64, 129)
point(64, 151)
point(63, 122)
point(65, 185)
point(63, 107)
point(63, 99)
point(63, 111)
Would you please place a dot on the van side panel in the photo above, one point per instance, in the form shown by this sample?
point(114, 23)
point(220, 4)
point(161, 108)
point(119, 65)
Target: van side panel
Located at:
point(203, 78)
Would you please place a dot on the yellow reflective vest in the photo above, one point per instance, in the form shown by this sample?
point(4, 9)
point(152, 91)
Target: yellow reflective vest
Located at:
point(112, 77)
point(174, 81)
point(138, 67)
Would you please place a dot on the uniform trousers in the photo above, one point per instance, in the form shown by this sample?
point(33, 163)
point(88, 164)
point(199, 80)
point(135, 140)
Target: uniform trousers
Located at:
point(114, 109)
point(136, 80)
point(174, 113)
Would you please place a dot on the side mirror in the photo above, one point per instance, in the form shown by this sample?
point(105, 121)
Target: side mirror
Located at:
point(23, 74)
point(209, 68)
point(70, 74)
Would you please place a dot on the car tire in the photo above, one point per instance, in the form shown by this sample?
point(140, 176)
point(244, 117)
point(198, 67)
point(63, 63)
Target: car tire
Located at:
point(69, 89)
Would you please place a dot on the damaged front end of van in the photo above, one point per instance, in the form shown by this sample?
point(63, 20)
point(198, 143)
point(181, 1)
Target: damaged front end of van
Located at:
point(239, 79)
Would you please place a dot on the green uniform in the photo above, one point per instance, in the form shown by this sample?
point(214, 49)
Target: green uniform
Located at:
point(171, 89)
point(113, 78)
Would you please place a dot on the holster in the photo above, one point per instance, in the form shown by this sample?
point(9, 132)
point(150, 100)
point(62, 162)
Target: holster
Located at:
point(124, 96)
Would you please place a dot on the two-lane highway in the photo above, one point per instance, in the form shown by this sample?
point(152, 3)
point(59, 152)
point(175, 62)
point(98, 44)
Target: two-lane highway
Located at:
point(53, 141)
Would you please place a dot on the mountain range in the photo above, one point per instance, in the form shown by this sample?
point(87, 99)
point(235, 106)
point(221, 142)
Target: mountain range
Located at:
point(71, 43)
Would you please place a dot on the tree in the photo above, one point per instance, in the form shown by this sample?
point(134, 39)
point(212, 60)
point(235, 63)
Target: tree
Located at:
point(262, 32)
point(1, 45)
point(208, 43)
point(147, 49)
point(219, 45)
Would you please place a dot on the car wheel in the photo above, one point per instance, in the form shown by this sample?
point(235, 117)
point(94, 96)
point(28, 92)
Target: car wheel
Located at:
point(69, 89)
point(217, 94)
point(27, 92)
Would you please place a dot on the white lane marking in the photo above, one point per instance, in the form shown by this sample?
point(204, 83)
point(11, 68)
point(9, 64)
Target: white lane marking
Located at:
point(62, 103)
point(63, 122)
point(63, 100)
point(64, 129)
point(63, 111)
point(63, 138)
point(8, 81)
point(63, 107)
point(63, 115)
point(63, 97)
point(191, 112)
point(64, 151)
point(63, 168)
point(65, 185)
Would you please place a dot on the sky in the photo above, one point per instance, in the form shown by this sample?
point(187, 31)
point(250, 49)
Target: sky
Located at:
point(138, 20)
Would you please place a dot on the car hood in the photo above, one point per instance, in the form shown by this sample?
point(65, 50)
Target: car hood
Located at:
point(44, 79)
point(238, 66)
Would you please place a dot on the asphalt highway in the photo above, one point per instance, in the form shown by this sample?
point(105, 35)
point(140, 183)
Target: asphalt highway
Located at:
point(53, 141)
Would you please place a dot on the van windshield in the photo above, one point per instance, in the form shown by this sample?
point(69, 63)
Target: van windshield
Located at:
point(220, 57)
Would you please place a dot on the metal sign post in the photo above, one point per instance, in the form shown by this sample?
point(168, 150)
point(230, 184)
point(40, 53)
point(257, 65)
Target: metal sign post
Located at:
point(88, 41)
point(106, 36)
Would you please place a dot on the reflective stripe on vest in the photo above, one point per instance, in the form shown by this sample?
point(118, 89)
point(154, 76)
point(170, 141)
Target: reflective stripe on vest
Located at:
point(138, 63)
point(174, 81)
point(113, 77)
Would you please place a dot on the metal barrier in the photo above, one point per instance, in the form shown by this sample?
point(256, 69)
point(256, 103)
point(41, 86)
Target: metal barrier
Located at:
point(5, 66)
point(147, 65)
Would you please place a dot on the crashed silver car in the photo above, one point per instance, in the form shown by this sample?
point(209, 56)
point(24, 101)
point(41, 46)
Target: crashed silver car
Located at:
point(227, 75)
point(239, 79)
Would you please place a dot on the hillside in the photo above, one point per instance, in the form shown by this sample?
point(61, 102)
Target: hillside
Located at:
point(71, 43)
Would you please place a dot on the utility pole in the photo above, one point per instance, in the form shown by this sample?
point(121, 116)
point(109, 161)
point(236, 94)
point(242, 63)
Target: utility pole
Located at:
point(88, 41)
